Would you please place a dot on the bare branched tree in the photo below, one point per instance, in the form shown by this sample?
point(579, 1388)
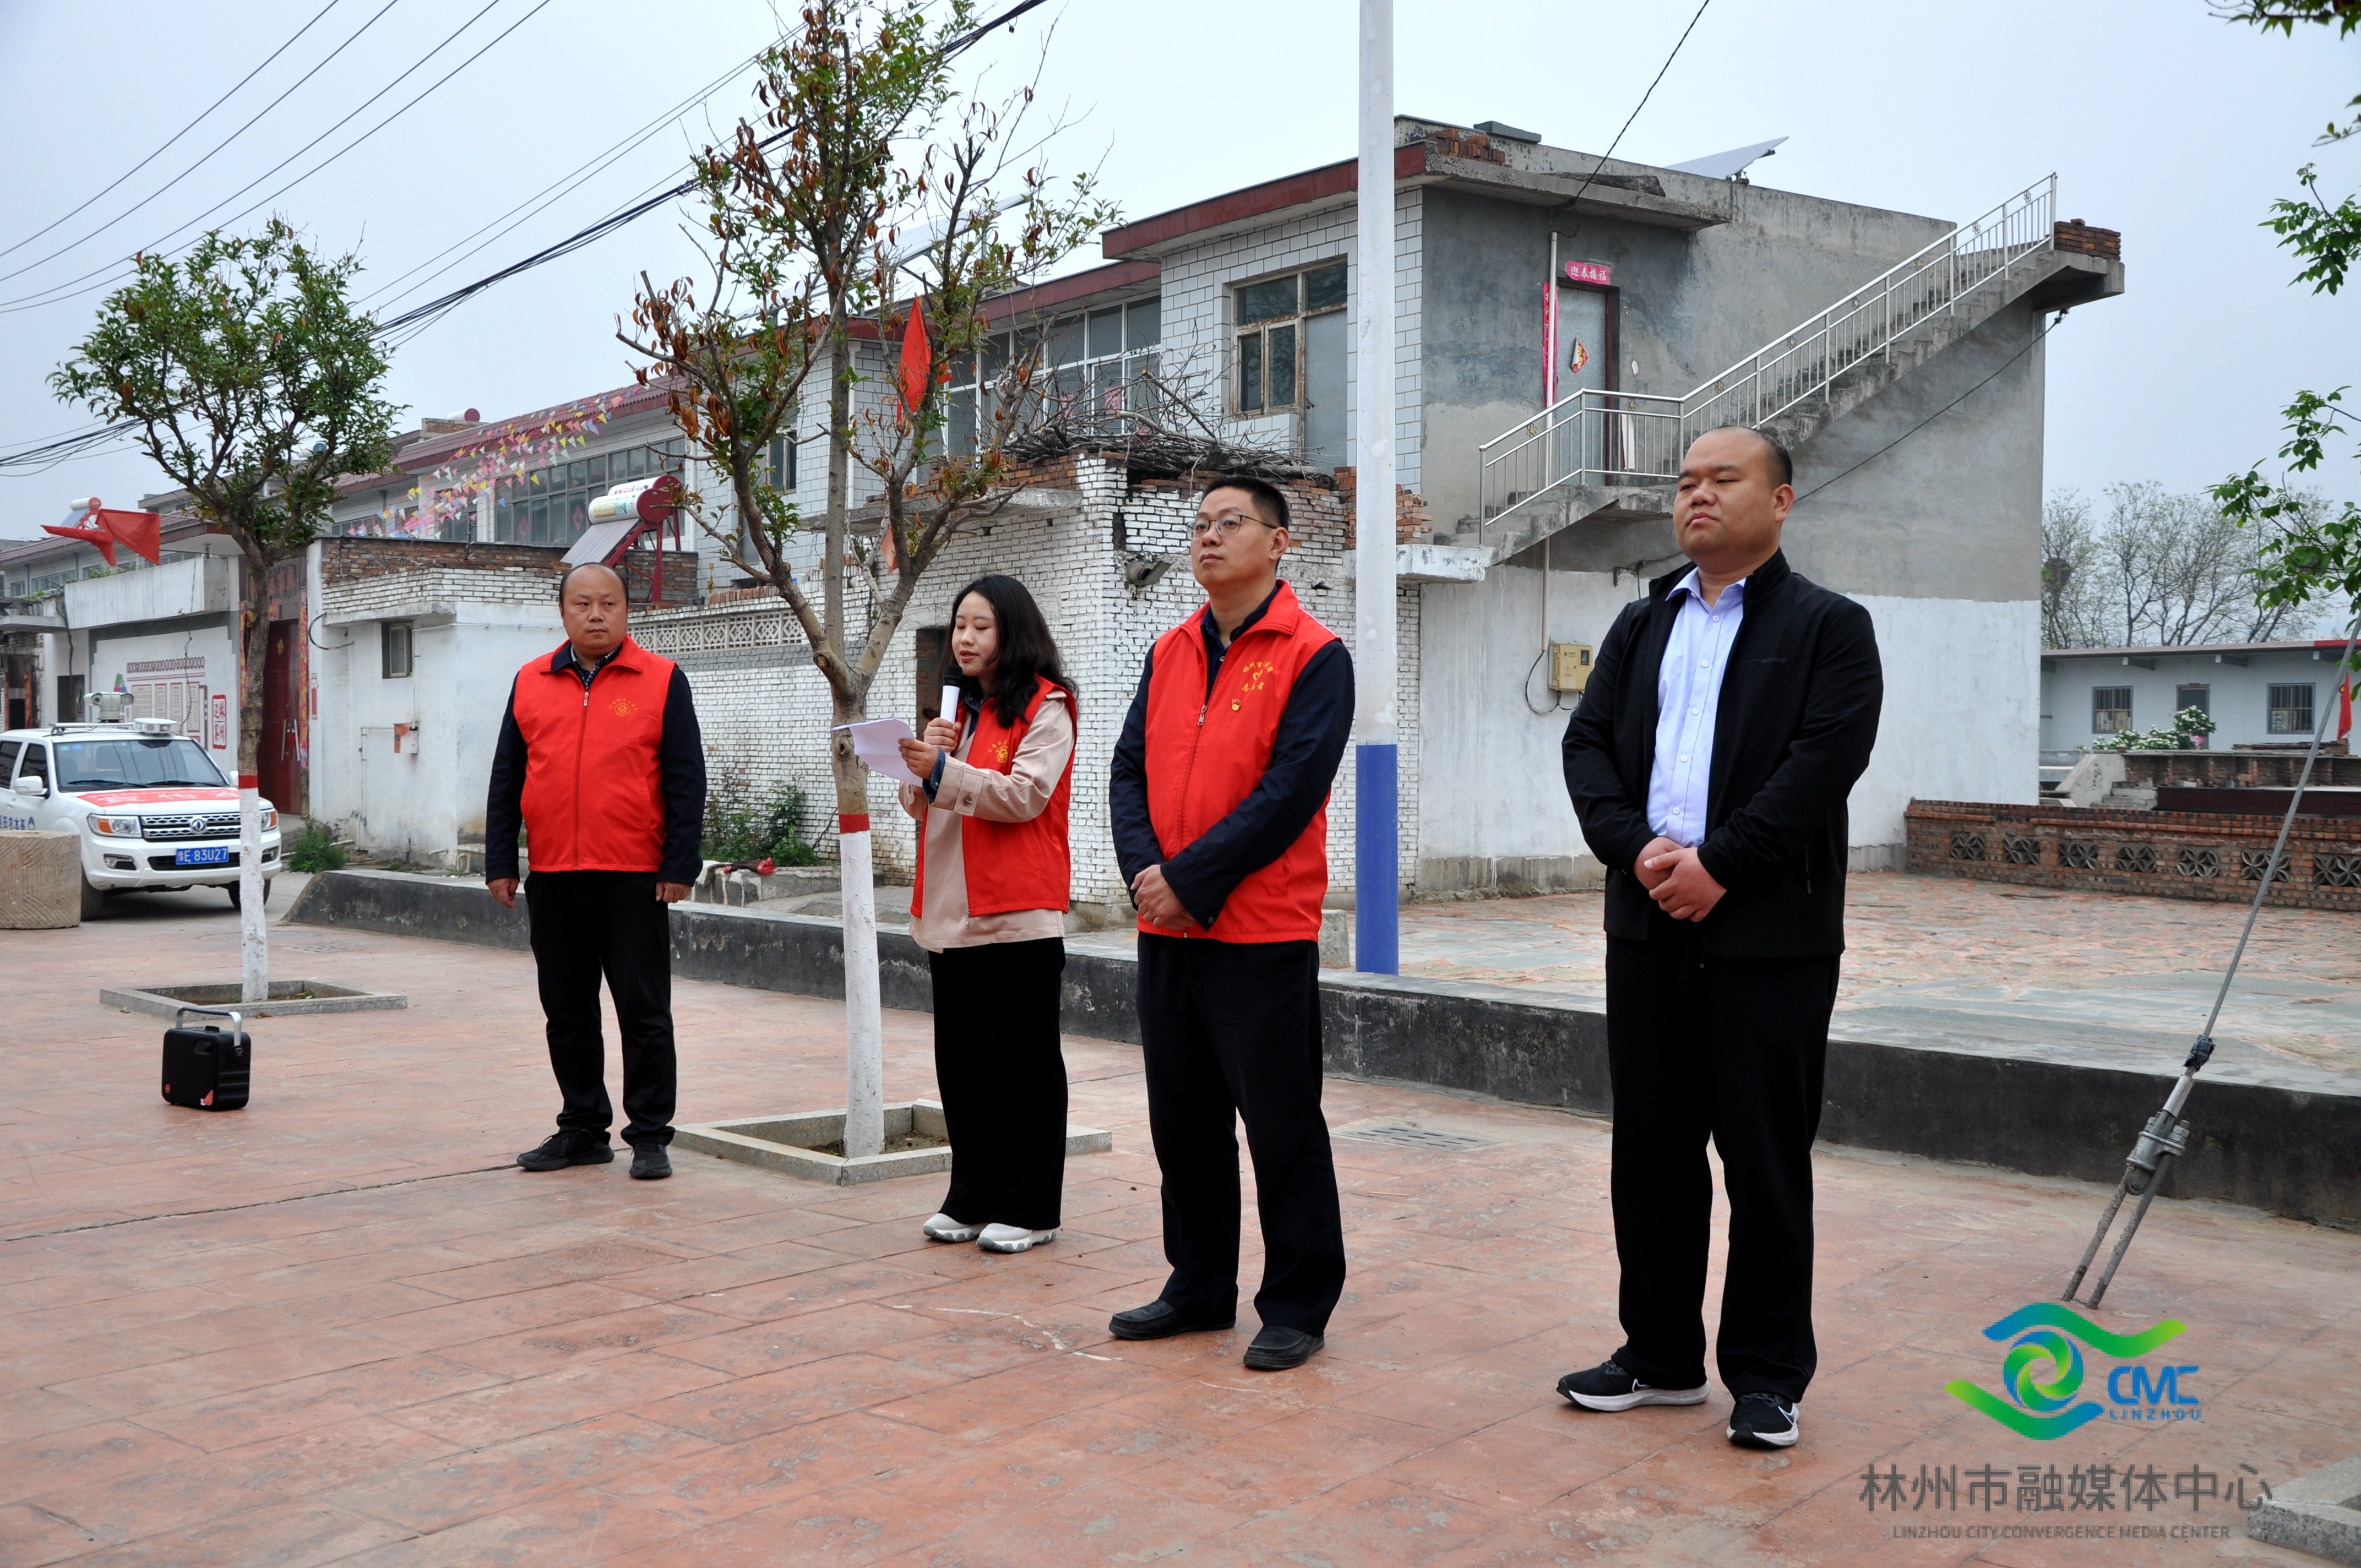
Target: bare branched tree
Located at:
point(2160, 568)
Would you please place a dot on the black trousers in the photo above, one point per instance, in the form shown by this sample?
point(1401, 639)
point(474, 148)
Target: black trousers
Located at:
point(1003, 1076)
point(1699, 1047)
point(1231, 1031)
point(586, 925)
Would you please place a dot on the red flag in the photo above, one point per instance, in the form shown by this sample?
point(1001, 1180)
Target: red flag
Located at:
point(97, 538)
point(142, 531)
point(917, 361)
point(2344, 708)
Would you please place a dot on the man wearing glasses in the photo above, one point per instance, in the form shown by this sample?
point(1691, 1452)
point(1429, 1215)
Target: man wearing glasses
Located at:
point(1220, 802)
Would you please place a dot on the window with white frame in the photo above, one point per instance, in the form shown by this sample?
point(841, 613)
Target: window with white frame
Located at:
point(1273, 317)
point(2111, 710)
point(1097, 367)
point(393, 648)
point(2290, 709)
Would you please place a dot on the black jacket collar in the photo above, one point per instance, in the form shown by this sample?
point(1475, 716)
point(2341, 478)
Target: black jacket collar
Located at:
point(1760, 581)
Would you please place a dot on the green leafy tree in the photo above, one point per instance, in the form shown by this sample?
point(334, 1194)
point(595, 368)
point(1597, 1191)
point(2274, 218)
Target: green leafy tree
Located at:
point(869, 199)
point(2313, 554)
point(254, 385)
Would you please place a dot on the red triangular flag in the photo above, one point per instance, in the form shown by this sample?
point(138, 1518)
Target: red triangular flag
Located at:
point(917, 360)
point(97, 538)
point(142, 531)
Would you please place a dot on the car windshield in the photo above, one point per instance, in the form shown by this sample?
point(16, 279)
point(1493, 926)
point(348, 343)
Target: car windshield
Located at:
point(134, 763)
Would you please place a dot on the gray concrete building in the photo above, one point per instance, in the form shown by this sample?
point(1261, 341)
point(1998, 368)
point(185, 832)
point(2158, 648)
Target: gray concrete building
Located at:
point(1565, 326)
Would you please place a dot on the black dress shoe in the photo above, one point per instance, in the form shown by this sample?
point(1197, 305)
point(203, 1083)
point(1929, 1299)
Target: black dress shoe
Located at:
point(1277, 1348)
point(650, 1163)
point(1162, 1320)
point(561, 1149)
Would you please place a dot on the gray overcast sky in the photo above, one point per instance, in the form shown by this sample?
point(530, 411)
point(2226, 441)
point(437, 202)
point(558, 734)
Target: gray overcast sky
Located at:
point(2160, 120)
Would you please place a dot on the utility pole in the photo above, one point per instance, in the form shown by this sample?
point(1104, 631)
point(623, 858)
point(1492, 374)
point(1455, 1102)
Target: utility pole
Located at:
point(1376, 916)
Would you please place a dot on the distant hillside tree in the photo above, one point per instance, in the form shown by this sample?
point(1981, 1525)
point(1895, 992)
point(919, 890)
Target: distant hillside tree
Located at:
point(2158, 568)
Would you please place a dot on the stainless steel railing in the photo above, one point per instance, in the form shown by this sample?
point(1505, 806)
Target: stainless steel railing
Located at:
point(1627, 438)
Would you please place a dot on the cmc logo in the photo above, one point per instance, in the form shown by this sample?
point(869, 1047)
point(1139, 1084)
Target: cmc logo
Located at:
point(2043, 1374)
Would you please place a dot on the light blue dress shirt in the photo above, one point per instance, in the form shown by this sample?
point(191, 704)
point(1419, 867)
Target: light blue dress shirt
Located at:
point(1688, 696)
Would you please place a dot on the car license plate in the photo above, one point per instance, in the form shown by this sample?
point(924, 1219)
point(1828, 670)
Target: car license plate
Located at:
point(214, 855)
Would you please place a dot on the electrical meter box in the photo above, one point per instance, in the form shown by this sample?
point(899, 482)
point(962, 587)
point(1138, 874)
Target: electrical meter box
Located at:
point(1569, 666)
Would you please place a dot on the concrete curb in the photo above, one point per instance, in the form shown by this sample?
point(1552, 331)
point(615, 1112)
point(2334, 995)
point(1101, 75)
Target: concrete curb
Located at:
point(2286, 1140)
point(2320, 1514)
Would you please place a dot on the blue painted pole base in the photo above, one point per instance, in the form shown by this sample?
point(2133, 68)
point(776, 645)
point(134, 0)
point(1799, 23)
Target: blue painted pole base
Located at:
point(1377, 859)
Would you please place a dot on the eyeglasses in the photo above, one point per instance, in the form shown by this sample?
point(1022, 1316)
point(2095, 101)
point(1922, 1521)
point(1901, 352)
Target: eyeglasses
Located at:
point(1229, 525)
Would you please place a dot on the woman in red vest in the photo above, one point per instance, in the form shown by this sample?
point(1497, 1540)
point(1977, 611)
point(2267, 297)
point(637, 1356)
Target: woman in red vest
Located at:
point(990, 909)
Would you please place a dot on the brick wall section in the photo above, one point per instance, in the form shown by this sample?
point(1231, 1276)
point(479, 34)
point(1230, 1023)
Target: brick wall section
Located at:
point(358, 572)
point(2236, 770)
point(2083, 240)
point(2171, 854)
point(1413, 525)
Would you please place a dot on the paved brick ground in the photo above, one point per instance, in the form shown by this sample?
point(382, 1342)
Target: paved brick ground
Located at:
point(322, 1331)
point(1928, 955)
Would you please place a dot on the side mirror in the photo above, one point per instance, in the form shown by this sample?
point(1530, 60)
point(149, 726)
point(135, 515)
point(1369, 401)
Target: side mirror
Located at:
point(33, 787)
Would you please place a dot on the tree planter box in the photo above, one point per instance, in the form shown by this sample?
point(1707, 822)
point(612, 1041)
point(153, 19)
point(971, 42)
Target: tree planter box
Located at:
point(792, 1144)
point(288, 998)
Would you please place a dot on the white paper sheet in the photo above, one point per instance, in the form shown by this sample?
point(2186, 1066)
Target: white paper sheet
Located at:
point(878, 743)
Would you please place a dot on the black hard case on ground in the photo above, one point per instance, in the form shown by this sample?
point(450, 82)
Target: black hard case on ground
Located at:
point(206, 1069)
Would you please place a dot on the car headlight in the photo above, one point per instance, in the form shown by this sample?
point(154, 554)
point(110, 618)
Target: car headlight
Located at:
point(116, 827)
point(270, 819)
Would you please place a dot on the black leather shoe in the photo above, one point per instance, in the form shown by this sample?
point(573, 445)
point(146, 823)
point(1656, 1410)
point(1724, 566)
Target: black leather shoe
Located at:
point(1276, 1348)
point(561, 1149)
point(650, 1163)
point(1161, 1319)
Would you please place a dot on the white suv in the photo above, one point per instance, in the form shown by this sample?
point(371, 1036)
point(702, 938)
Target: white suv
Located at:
point(150, 807)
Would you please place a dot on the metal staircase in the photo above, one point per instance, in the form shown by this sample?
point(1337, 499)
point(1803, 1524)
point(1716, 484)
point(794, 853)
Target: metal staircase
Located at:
point(1608, 460)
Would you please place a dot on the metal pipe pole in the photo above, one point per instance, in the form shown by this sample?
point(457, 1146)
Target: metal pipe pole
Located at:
point(1376, 915)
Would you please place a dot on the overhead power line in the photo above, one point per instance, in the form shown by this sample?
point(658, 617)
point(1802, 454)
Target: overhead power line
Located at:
point(200, 163)
point(108, 273)
point(566, 184)
point(184, 130)
point(51, 453)
point(434, 308)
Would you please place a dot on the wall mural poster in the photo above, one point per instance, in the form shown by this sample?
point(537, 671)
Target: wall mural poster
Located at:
point(221, 721)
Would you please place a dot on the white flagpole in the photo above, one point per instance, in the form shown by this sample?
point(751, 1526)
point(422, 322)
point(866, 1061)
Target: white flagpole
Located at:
point(1376, 858)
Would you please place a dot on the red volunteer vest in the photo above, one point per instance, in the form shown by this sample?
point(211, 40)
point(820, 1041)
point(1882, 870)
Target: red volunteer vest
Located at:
point(1205, 754)
point(1011, 865)
point(593, 778)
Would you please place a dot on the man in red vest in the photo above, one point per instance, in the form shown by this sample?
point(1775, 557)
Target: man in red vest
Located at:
point(600, 760)
point(1220, 806)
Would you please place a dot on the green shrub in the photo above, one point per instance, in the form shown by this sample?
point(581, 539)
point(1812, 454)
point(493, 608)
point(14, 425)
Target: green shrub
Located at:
point(742, 825)
point(315, 850)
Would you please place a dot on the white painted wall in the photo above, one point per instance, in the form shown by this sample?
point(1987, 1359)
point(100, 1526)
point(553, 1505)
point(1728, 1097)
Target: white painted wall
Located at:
point(1493, 784)
point(1962, 720)
point(421, 802)
point(202, 585)
point(1958, 722)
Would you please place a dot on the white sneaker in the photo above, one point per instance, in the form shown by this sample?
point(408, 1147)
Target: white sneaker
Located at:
point(943, 1228)
point(1012, 1238)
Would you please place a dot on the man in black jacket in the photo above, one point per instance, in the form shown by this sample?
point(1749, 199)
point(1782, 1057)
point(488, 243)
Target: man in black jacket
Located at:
point(1725, 722)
